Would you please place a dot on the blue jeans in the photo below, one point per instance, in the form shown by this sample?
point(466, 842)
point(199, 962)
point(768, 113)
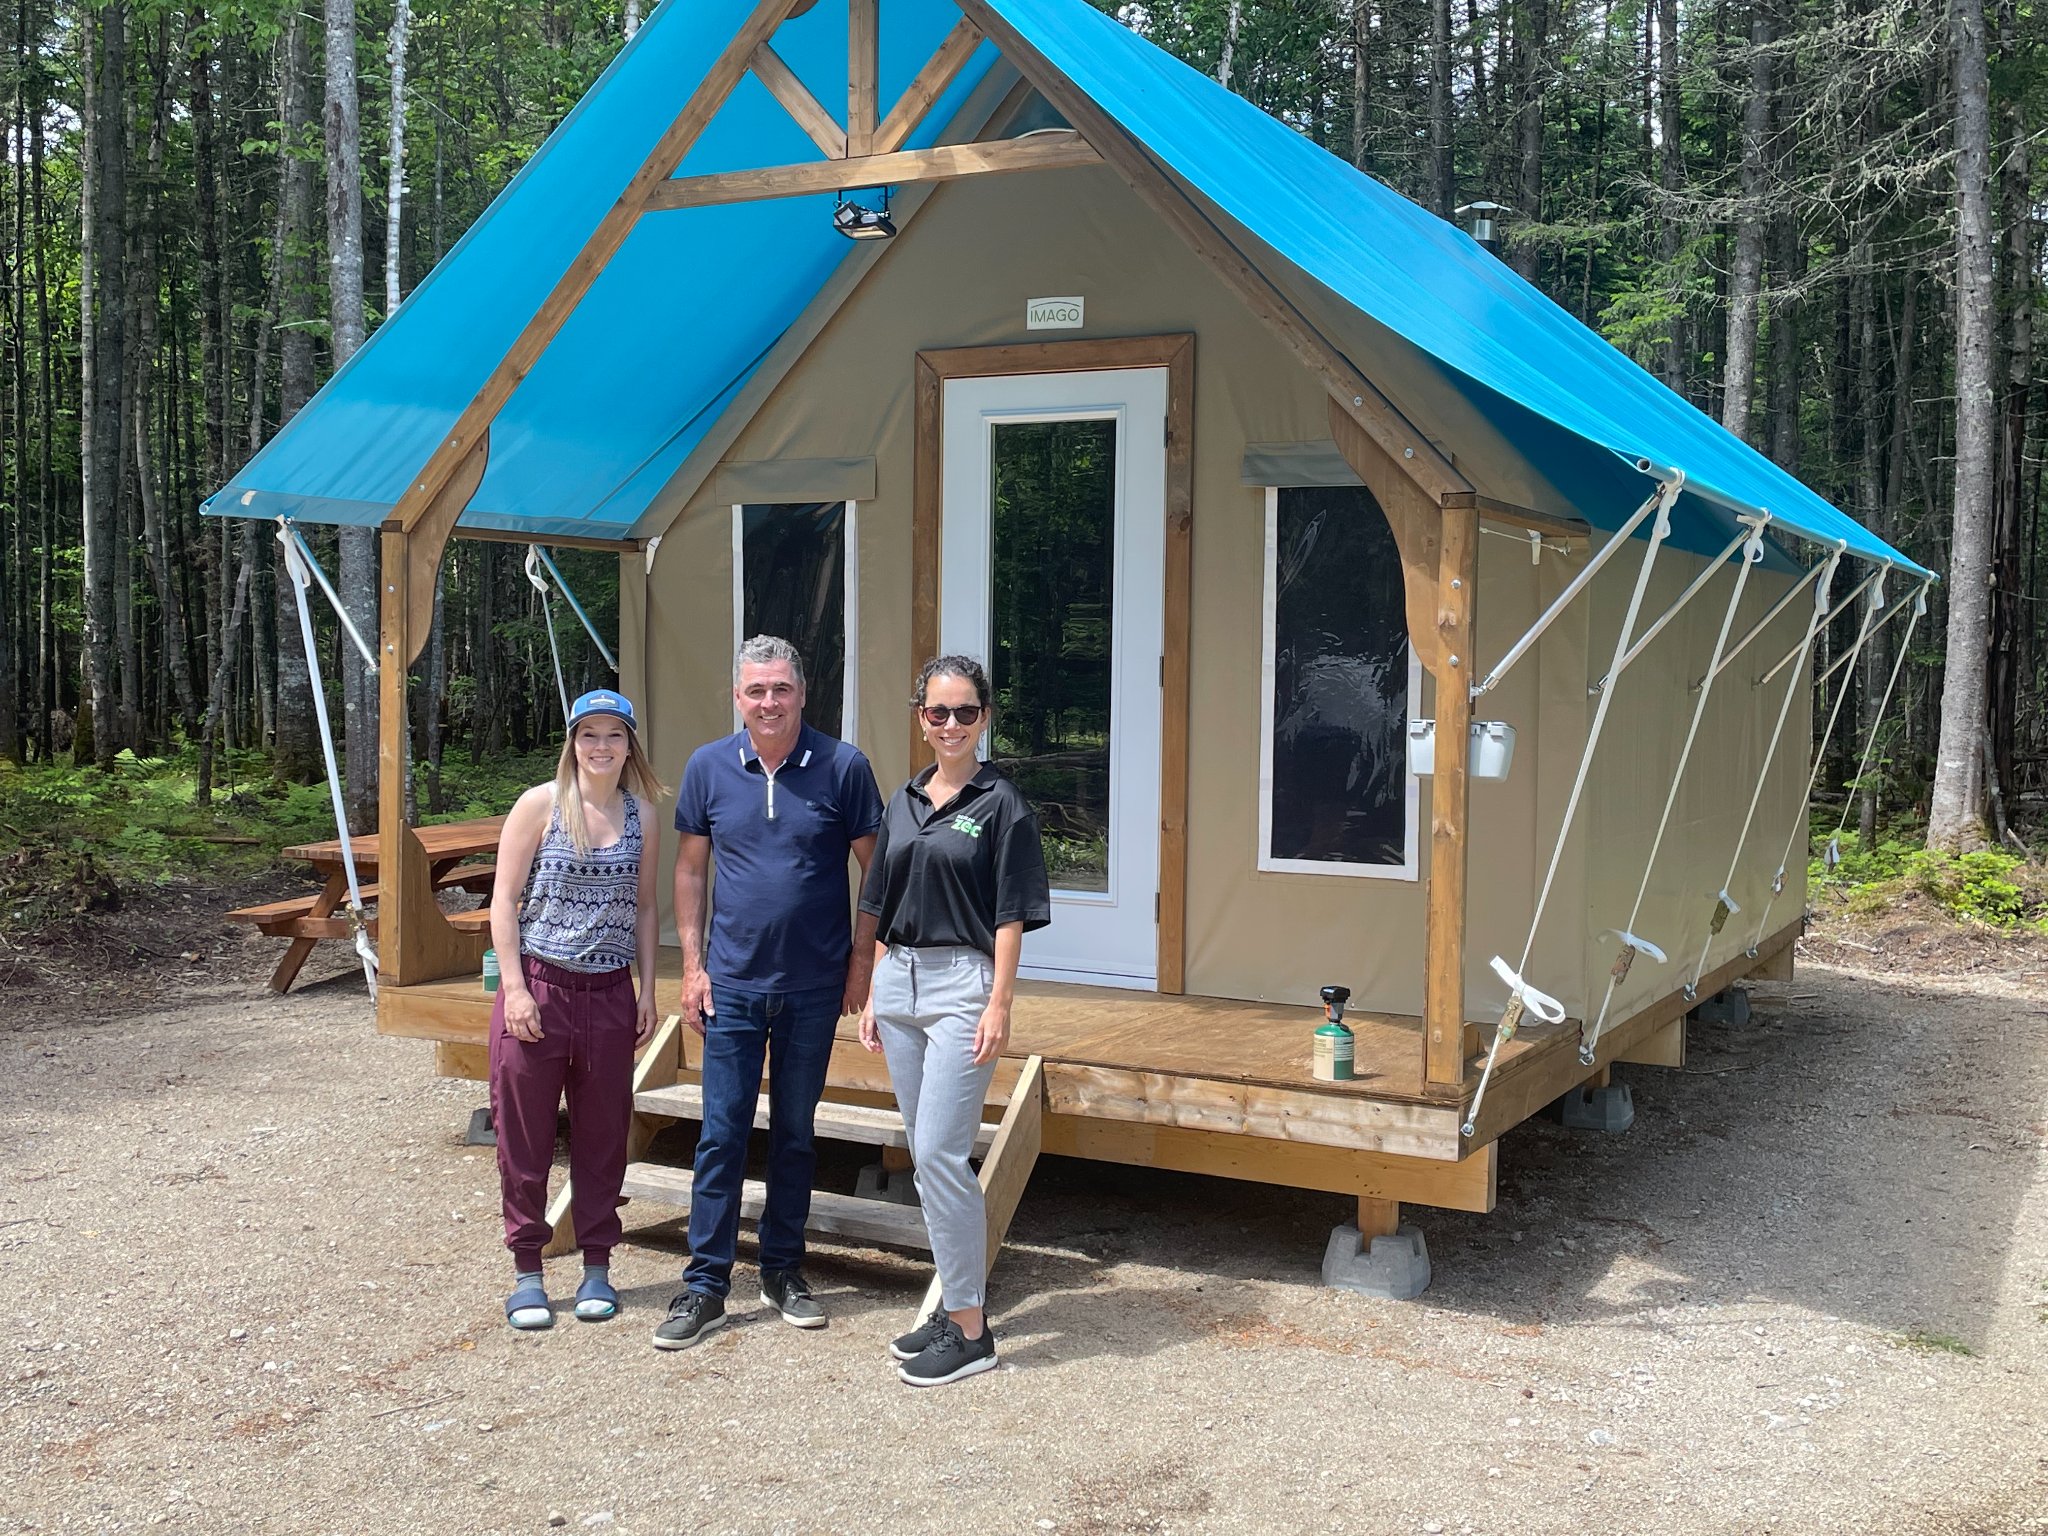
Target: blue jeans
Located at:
point(793, 1031)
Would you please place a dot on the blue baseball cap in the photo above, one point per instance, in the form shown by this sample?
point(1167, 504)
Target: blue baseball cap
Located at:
point(602, 702)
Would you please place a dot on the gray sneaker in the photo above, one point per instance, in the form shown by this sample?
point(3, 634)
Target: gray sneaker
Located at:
point(908, 1346)
point(950, 1357)
point(691, 1315)
point(789, 1293)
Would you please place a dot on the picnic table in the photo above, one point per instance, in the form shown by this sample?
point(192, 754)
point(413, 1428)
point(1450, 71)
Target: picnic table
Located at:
point(306, 920)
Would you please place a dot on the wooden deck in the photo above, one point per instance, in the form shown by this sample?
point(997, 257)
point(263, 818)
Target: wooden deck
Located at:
point(1209, 1084)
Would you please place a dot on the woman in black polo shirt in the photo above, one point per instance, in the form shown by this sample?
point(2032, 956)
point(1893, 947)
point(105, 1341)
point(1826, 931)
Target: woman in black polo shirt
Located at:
point(956, 880)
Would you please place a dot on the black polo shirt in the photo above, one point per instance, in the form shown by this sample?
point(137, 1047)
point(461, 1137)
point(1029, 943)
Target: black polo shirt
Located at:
point(955, 875)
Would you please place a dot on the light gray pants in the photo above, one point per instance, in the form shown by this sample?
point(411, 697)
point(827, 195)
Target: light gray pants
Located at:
point(927, 1004)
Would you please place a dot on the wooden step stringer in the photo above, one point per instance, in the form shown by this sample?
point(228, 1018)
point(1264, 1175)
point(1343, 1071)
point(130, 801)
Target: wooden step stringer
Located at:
point(1007, 1168)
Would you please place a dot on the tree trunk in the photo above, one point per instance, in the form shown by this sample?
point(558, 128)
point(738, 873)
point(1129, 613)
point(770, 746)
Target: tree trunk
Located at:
point(2010, 608)
point(1672, 179)
point(1443, 175)
point(102, 238)
point(632, 16)
point(1532, 36)
point(1225, 64)
point(1361, 79)
point(394, 186)
point(223, 679)
point(295, 755)
point(176, 647)
point(1955, 818)
point(356, 581)
point(1745, 272)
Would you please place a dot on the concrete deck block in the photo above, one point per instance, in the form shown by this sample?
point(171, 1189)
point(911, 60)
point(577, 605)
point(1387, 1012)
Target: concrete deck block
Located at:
point(482, 1132)
point(1393, 1268)
point(874, 1182)
point(1611, 1109)
point(1729, 1007)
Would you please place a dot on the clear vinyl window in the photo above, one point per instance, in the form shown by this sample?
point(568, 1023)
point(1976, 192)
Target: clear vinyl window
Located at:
point(794, 575)
point(1339, 681)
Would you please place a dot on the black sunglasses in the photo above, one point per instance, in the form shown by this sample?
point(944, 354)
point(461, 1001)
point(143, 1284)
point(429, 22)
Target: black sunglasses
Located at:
point(938, 714)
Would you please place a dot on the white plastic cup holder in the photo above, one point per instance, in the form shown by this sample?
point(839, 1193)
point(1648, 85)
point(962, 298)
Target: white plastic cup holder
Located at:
point(1492, 749)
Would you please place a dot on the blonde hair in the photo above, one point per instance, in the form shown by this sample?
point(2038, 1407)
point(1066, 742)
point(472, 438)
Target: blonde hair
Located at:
point(636, 778)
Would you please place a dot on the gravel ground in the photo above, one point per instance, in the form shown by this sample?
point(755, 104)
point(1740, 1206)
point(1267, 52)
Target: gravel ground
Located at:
point(252, 1283)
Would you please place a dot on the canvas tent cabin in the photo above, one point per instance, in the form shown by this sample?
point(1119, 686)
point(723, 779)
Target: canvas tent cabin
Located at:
point(1232, 462)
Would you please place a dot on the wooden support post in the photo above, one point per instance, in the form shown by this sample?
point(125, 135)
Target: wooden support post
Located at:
point(659, 1063)
point(1443, 987)
point(896, 1160)
point(415, 942)
point(863, 36)
point(1007, 1168)
point(1378, 1218)
point(1599, 1078)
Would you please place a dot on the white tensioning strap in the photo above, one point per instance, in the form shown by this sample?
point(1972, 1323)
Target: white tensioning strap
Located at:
point(1631, 943)
point(1520, 993)
point(1919, 601)
point(304, 570)
point(1724, 904)
point(1873, 606)
point(547, 608)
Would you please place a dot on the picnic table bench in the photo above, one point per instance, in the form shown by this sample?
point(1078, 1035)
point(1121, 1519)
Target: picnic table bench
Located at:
point(306, 920)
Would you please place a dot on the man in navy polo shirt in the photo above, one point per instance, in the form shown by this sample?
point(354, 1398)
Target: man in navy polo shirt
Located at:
point(779, 806)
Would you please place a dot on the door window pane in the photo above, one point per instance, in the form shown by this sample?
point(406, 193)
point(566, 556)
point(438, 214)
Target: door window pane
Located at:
point(1340, 681)
point(1054, 552)
point(793, 580)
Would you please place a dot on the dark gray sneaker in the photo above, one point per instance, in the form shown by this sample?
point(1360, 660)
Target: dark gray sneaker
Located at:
point(951, 1356)
point(908, 1346)
point(691, 1315)
point(789, 1293)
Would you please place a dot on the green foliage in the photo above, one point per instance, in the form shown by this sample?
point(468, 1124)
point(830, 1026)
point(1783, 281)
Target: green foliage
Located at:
point(1989, 886)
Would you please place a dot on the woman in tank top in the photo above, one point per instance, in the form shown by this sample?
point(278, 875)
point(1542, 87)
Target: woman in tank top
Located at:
point(572, 911)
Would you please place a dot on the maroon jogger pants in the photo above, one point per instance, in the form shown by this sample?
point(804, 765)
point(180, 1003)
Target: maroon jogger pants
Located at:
point(586, 1049)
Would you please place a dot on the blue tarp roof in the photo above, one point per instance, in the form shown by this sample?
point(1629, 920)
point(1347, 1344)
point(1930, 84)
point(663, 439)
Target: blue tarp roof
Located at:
point(695, 299)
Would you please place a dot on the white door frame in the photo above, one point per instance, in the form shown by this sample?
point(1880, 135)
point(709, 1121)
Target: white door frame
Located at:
point(1108, 938)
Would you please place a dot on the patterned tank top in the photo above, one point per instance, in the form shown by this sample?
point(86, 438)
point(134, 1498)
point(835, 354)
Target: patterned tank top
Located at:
point(578, 909)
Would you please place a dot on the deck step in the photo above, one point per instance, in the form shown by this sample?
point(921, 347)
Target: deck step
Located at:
point(834, 1121)
point(871, 1221)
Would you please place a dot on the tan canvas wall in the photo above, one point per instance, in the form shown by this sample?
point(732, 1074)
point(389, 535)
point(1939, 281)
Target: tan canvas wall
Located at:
point(1626, 790)
point(960, 276)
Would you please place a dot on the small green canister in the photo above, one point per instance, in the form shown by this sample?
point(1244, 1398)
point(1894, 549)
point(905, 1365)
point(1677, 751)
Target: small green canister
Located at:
point(1335, 1045)
point(490, 970)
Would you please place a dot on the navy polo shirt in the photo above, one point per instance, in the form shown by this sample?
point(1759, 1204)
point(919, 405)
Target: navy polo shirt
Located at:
point(779, 911)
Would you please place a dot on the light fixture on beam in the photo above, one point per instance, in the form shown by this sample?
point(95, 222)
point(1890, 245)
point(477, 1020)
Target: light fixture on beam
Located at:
point(856, 221)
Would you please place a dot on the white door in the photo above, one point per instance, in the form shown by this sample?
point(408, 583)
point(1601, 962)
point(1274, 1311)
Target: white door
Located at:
point(1052, 570)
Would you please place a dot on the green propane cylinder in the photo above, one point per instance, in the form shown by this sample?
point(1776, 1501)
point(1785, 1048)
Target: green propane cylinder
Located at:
point(490, 970)
point(1336, 1047)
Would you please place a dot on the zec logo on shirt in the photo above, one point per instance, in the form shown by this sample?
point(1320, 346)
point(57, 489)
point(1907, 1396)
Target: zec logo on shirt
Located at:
point(968, 825)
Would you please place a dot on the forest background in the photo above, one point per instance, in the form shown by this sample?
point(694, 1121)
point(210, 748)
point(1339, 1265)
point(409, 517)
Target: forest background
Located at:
point(1818, 220)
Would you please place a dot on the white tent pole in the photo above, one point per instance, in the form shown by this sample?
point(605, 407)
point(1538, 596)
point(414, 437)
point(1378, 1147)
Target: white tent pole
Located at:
point(297, 561)
point(1752, 555)
point(1855, 592)
point(1918, 598)
point(287, 532)
point(1724, 904)
point(1572, 589)
point(1520, 993)
point(1762, 624)
point(1692, 590)
point(569, 595)
point(1872, 606)
point(547, 609)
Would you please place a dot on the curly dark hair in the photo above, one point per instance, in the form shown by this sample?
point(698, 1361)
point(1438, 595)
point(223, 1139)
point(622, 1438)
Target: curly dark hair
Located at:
point(952, 666)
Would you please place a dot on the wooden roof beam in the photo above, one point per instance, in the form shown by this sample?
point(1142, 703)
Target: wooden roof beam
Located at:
point(597, 252)
point(1356, 394)
point(863, 65)
point(1054, 149)
point(798, 102)
point(939, 72)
